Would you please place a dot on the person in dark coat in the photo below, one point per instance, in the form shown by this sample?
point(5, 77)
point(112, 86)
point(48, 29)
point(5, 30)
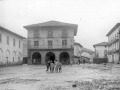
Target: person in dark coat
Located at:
point(84, 61)
point(78, 61)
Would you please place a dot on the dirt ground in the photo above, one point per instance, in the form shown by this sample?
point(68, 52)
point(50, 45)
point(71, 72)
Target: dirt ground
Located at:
point(76, 77)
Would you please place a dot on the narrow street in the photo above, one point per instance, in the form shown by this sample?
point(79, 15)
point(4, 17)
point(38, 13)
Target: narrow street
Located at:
point(76, 77)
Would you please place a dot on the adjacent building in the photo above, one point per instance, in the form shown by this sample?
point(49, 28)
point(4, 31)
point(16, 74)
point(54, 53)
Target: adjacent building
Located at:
point(77, 51)
point(11, 48)
point(87, 55)
point(113, 44)
point(51, 40)
point(101, 50)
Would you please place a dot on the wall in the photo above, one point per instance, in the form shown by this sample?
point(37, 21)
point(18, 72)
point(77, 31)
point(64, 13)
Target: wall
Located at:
point(100, 50)
point(57, 40)
point(77, 50)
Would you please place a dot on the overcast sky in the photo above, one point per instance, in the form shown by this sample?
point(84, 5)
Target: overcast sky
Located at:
point(95, 18)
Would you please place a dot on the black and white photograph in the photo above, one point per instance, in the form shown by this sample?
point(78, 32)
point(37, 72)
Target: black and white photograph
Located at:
point(59, 44)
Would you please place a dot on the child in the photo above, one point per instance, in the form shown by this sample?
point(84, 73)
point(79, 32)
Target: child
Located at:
point(52, 67)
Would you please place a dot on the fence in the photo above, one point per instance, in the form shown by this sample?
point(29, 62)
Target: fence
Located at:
point(100, 60)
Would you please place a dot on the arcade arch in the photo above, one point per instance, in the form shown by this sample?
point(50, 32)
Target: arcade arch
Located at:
point(51, 56)
point(37, 57)
point(64, 58)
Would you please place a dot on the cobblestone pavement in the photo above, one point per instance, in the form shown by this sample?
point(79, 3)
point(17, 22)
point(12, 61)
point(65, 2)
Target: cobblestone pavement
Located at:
point(76, 77)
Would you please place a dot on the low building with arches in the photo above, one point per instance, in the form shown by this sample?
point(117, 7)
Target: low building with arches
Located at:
point(52, 40)
point(11, 48)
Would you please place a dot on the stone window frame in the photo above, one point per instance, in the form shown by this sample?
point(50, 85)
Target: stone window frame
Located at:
point(64, 42)
point(36, 43)
point(19, 43)
point(14, 42)
point(64, 33)
point(36, 34)
point(50, 43)
point(7, 40)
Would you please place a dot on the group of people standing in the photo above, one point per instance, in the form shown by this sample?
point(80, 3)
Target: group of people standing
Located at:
point(53, 65)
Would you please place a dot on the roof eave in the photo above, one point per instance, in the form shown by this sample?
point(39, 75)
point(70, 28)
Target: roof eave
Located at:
point(118, 24)
point(12, 32)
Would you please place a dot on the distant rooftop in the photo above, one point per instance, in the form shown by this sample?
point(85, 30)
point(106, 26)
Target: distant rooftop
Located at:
point(101, 44)
point(6, 30)
point(75, 43)
point(113, 29)
point(52, 23)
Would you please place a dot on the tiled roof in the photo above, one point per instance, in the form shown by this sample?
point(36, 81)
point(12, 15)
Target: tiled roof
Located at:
point(113, 29)
point(52, 23)
point(6, 30)
point(101, 44)
point(87, 50)
point(75, 43)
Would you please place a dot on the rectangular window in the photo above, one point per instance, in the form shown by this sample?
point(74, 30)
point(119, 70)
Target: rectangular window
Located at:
point(36, 34)
point(14, 42)
point(50, 43)
point(64, 33)
point(8, 40)
point(36, 43)
point(50, 34)
point(0, 37)
point(19, 44)
point(64, 42)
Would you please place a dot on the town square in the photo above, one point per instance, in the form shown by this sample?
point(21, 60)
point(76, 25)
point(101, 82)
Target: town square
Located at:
point(59, 45)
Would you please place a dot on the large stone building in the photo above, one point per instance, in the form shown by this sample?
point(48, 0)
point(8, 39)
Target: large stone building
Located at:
point(101, 49)
point(52, 39)
point(11, 48)
point(113, 44)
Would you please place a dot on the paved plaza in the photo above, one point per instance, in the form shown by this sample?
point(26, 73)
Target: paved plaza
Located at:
point(76, 77)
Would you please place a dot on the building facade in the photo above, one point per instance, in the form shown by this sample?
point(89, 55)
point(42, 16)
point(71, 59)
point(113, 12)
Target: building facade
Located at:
point(11, 48)
point(113, 44)
point(101, 50)
point(51, 40)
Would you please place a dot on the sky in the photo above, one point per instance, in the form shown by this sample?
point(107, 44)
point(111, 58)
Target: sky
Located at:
point(95, 18)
